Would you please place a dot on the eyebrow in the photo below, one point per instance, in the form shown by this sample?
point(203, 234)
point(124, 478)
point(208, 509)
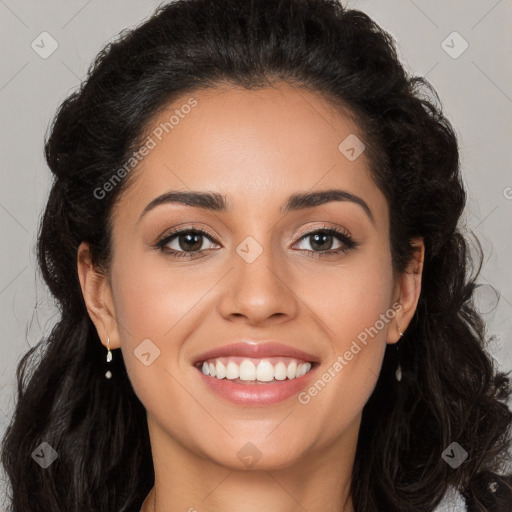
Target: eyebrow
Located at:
point(218, 202)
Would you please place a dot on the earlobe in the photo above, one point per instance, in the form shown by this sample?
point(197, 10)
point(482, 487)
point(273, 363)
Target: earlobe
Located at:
point(97, 297)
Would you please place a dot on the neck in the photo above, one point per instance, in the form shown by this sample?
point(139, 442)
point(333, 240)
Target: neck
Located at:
point(318, 481)
point(150, 505)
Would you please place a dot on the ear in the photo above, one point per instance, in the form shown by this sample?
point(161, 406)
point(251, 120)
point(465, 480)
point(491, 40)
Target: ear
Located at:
point(407, 291)
point(97, 295)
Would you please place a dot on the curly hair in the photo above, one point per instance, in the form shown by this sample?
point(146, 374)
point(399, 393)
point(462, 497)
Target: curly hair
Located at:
point(451, 389)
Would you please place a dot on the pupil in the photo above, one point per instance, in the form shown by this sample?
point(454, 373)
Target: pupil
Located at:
point(322, 237)
point(195, 246)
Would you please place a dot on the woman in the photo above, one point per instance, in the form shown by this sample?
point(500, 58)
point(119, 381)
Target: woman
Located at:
point(266, 299)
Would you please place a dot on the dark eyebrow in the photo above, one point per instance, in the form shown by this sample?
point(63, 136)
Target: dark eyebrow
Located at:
point(207, 200)
point(217, 202)
point(311, 199)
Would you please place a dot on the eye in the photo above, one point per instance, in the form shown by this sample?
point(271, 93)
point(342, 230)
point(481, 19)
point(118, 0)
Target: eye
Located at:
point(185, 243)
point(322, 240)
point(189, 242)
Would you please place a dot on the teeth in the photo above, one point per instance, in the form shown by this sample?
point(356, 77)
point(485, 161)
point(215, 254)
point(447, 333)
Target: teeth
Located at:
point(265, 371)
point(232, 371)
point(220, 370)
point(247, 370)
point(255, 370)
point(291, 372)
point(280, 371)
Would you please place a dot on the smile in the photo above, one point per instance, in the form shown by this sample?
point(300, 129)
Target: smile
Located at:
point(271, 369)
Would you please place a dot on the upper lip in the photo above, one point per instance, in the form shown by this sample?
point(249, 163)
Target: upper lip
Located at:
point(257, 350)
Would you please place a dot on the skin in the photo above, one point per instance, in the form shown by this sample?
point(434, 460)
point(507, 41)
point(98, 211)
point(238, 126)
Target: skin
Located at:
point(256, 148)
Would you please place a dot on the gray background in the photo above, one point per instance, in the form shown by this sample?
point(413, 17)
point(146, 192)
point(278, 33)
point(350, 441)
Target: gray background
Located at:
point(475, 88)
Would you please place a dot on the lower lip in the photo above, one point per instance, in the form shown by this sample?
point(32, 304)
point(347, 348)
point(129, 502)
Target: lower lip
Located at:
point(256, 393)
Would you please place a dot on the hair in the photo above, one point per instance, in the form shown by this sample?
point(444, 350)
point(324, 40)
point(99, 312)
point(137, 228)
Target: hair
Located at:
point(451, 389)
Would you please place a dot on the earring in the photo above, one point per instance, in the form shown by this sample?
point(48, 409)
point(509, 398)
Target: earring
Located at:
point(108, 374)
point(398, 372)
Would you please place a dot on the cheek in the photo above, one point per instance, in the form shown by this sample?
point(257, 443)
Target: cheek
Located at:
point(350, 299)
point(354, 305)
point(157, 306)
point(152, 297)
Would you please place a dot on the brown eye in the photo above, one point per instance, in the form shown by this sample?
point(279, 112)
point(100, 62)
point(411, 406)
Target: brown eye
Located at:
point(190, 241)
point(186, 243)
point(322, 240)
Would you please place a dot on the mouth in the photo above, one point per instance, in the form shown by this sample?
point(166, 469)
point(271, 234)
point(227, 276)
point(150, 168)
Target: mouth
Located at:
point(242, 370)
point(256, 373)
point(256, 383)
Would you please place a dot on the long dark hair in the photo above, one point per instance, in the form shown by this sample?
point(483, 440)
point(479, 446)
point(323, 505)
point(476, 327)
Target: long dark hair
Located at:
point(451, 390)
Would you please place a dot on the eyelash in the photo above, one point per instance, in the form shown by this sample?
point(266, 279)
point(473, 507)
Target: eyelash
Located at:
point(343, 237)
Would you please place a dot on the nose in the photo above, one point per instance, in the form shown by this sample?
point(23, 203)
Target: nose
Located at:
point(259, 291)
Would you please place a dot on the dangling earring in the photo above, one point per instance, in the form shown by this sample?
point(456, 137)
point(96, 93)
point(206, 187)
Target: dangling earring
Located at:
point(108, 374)
point(398, 372)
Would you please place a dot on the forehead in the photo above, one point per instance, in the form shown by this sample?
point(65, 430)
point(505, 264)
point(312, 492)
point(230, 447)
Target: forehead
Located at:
point(256, 147)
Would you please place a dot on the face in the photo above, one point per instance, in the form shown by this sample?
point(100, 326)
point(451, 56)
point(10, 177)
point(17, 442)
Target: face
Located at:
point(281, 281)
